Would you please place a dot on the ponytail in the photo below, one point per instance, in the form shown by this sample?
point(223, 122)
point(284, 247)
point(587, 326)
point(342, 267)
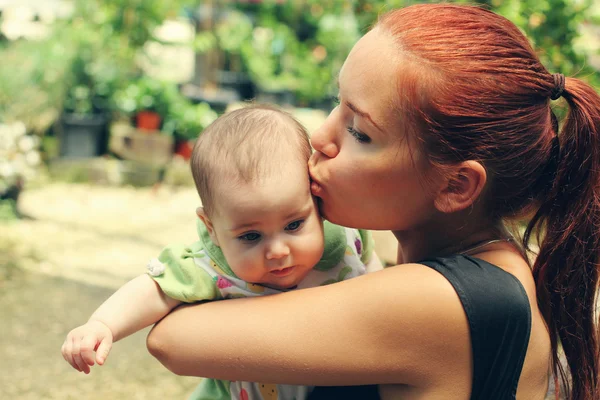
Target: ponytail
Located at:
point(480, 93)
point(566, 270)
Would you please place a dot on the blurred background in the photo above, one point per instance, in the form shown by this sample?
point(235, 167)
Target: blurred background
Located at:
point(100, 102)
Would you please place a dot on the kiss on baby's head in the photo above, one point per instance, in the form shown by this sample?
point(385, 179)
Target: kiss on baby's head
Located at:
point(248, 145)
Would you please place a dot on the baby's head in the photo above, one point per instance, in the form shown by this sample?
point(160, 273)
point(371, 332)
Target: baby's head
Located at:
point(250, 169)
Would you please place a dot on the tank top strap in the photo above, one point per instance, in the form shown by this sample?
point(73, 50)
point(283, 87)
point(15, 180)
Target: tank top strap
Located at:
point(499, 316)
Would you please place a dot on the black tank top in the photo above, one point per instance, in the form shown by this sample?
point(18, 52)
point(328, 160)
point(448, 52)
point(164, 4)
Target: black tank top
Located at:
point(499, 316)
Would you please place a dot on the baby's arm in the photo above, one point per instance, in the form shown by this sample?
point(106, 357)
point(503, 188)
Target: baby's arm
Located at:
point(136, 305)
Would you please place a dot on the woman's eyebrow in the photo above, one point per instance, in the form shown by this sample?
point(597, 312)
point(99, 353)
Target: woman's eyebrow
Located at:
point(362, 114)
point(356, 110)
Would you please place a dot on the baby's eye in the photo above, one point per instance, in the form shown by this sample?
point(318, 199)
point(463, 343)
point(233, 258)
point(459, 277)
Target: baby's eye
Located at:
point(294, 226)
point(249, 237)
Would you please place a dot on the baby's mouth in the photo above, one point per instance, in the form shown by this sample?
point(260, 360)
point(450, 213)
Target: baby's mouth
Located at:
point(282, 272)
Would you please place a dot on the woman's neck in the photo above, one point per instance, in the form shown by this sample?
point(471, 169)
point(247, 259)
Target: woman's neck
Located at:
point(449, 234)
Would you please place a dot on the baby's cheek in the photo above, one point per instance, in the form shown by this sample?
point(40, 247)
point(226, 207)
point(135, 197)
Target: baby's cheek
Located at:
point(244, 266)
point(316, 248)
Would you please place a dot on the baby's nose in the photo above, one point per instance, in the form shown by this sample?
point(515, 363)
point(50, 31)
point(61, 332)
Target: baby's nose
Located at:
point(277, 249)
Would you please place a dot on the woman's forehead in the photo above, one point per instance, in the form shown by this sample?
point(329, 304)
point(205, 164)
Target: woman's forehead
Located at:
point(368, 78)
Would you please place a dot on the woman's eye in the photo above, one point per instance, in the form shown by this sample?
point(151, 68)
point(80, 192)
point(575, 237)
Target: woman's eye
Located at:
point(249, 237)
point(294, 226)
point(359, 136)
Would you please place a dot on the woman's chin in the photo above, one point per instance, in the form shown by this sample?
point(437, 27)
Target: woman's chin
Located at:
point(328, 214)
point(322, 209)
point(348, 218)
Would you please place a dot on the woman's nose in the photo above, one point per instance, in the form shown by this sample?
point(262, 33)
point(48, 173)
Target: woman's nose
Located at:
point(277, 249)
point(323, 139)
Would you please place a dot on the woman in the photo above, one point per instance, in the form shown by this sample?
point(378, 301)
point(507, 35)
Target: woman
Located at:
point(444, 133)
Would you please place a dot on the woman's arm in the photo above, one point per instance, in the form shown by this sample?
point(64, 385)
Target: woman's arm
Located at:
point(379, 328)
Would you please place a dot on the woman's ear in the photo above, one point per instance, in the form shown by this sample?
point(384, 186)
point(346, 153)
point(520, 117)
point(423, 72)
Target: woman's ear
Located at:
point(462, 188)
point(208, 223)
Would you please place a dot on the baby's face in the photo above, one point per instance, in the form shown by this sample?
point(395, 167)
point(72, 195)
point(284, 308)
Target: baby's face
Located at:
point(269, 232)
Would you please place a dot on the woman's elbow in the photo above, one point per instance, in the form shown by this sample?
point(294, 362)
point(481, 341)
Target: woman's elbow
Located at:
point(158, 348)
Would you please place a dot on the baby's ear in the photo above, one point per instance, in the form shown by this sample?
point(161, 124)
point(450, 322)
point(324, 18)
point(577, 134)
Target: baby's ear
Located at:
point(208, 223)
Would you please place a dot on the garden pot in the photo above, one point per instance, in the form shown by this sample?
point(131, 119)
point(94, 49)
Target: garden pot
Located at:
point(82, 136)
point(184, 149)
point(148, 120)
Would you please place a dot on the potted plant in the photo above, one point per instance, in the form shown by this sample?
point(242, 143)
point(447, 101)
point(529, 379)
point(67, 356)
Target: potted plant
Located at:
point(147, 101)
point(98, 65)
point(84, 118)
point(187, 120)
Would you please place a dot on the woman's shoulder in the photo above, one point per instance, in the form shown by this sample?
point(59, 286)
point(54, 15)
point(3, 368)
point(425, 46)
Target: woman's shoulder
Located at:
point(499, 314)
point(462, 300)
point(472, 276)
point(418, 318)
point(491, 296)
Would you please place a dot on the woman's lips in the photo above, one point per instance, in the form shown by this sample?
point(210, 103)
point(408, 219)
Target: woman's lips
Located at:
point(316, 189)
point(315, 185)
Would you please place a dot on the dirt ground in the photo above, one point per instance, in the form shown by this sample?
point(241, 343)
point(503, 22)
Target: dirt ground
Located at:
point(79, 243)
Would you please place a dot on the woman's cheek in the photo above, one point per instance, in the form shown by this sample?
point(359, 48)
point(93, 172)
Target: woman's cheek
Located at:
point(346, 174)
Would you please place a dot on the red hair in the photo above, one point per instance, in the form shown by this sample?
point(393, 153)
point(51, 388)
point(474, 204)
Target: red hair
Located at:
point(475, 90)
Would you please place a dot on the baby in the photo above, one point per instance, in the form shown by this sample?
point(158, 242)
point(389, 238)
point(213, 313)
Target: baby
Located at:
point(259, 231)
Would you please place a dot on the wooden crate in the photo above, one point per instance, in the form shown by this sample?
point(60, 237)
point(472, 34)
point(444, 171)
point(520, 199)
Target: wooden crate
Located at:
point(149, 147)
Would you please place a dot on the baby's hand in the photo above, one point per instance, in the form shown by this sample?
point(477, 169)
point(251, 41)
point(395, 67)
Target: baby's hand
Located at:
point(80, 344)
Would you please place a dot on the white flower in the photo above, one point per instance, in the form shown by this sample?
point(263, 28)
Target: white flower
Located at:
point(7, 170)
point(26, 143)
point(19, 128)
point(155, 267)
point(33, 158)
point(19, 154)
point(19, 162)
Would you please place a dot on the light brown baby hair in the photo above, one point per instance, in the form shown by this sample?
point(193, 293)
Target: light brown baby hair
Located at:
point(245, 146)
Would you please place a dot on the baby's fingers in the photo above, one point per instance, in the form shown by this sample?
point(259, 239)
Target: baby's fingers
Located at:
point(81, 365)
point(77, 360)
point(87, 345)
point(103, 350)
point(67, 352)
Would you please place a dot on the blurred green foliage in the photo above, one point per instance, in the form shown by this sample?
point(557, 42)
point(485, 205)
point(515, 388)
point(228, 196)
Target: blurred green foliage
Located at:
point(290, 46)
point(82, 63)
point(552, 26)
point(8, 210)
point(300, 46)
point(89, 60)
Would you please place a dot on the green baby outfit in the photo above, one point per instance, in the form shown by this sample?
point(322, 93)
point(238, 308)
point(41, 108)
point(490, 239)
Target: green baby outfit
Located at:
point(199, 272)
